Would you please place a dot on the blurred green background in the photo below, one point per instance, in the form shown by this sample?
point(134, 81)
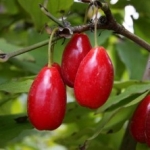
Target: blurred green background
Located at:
point(21, 25)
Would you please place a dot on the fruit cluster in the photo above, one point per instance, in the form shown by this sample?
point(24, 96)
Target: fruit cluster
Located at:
point(88, 70)
point(140, 122)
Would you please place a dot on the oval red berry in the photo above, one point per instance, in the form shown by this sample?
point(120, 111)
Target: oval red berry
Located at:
point(47, 100)
point(74, 52)
point(139, 119)
point(94, 79)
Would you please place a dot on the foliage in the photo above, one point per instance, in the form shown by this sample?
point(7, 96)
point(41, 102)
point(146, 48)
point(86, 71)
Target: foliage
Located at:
point(22, 24)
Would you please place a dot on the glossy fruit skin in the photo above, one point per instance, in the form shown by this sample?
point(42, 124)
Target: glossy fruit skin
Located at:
point(46, 103)
point(56, 65)
point(147, 124)
point(74, 52)
point(140, 122)
point(94, 79)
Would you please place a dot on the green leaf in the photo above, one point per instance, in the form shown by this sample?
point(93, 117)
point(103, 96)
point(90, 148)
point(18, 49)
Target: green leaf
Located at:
point(141, 146)
point(106, 117)
point(118, 119)
point(79, 115)
point(56, 7)
point(27, 65)
point(107, 141)
point(7, 47)
point(58, 50)
point(16, 87)
point(130, 91)
point(75, 138)
point(10, 7)
point(113, 121)
point(77, 16)
point(7, 73)
point(40, 55)
point(121, 4)
point(140, 6)
point(141, 25)
point(132, 57)
point(119, 66)
point(5, 21)
point(10, 128)
point(38, 17)
point(34, 11)
point(125, 84)
point(137, 100)
point(102, 38)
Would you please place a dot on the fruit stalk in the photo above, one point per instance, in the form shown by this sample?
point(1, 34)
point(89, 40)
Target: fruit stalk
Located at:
point(50, 48)
point(95, 28)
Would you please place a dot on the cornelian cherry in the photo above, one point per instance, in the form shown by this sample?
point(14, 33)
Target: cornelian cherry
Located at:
point(47, 99)
point(74, 52)
point(147, 124)
point(140, 122)
point(94, 79)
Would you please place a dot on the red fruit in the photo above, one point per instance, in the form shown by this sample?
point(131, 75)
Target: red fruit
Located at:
point(147, 123)
point(94, 79)
point(140, 122)
point(56, 65)
point(73, 54)
point(47, 99)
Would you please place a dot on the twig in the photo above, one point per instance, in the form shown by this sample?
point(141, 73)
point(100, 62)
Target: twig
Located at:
point(119, 29)
point(110, 24)
point(134, 38)
point(84, 146)
point(49, 15)
point(128, 143)
point(4, 57)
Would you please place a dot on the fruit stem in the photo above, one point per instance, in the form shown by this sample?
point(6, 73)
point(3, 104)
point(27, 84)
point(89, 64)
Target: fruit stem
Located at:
point(50, 47)
point(87, 13)
point(95, 28)
point(85, 17)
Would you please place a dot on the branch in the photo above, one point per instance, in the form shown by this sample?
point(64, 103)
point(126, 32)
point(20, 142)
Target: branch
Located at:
point(6, 56)
point(107, 22)
point(128, 143)
point(136, 39)
point(49, 15)
point(119, 29)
